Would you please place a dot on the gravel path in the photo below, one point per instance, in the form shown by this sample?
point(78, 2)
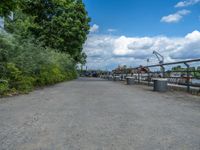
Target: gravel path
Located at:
point(93, 114)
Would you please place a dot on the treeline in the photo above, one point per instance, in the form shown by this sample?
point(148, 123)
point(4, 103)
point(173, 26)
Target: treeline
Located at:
point(41, 42)
point(194, 71)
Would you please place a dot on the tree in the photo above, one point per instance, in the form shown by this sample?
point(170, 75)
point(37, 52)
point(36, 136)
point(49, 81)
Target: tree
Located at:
point(63, 25)
point(33, 50)
point(177, 68)
point(21, 25)
point(6, 6)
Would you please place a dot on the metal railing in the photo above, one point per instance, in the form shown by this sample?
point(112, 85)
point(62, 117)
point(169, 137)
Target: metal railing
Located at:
point(185, 78)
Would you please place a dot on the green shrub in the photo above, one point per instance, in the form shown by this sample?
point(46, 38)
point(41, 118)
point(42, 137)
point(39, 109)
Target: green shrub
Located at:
point(70, 75)
point(12, 72)
point(25, 65)
point(49, 75)
point(25, 84)
point(52, 74)
point(17, 80)
point(4, 87)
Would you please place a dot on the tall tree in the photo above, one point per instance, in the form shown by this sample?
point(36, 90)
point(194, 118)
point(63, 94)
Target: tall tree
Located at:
point(6, 6)
point(63, 24)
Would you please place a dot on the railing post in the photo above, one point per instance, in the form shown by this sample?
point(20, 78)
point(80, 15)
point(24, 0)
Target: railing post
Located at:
point(138, 77)
point(148, 78)
point(188, 77)
point(163, 71)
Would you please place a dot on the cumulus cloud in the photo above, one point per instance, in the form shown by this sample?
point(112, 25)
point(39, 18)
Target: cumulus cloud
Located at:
point(176, 17)
point(109, 51)
point(186, 3)
point(94, 28)
point(190, 47)
point(141, 43)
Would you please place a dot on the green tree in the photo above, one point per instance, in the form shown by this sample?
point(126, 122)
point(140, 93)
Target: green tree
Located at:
point(6, 6)
point(63, 25)
point(43, 43)
point(177, 68)
point(21, 25)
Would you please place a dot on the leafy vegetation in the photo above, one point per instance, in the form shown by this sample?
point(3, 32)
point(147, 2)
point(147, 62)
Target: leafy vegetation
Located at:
point(6, 6)
point(42, 45)
point(59, 24)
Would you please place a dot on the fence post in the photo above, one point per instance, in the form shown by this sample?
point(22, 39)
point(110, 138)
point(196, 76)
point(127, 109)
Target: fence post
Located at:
point(188, 77)
point(138, 77)
point(148, 78)
point(163, 71)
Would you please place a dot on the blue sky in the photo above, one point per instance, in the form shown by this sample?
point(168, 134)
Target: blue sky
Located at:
point(142, 17)
point(126, 32)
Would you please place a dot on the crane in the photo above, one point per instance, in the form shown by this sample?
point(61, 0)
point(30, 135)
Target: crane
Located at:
point(159, 57)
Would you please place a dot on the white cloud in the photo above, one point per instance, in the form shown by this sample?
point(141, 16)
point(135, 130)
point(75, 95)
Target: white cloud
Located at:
point(94, 28)
point(190, 47)
point(176, 17)
point(121, 46)
point(109, 51)
point(194, 36)
point(186, 3)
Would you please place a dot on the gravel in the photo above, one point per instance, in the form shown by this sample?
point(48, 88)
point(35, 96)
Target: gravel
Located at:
point(94, 114)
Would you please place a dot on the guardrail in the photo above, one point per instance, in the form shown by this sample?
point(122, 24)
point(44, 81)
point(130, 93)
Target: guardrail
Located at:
point(185, 78)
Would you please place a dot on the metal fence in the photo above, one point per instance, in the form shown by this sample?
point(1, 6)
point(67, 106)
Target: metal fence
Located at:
point(184, 77)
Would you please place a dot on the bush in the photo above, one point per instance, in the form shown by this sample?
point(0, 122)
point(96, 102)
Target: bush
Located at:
point(25, 84)
point(17, 80)
point(50, 75)
point(25, 65)
point(12, 72)
point(4, 87)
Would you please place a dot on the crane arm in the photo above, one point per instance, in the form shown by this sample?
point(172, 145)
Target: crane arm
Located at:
point(159, 57)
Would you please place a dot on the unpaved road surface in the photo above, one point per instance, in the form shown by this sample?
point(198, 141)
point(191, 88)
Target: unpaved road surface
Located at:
point(92, 114)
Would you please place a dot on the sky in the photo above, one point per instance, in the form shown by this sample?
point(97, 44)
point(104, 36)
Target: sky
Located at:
point(1, 23)
point(126, 32)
